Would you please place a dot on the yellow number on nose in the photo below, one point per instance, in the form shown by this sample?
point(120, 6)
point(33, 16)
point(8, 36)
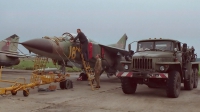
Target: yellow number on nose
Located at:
point(72, 52)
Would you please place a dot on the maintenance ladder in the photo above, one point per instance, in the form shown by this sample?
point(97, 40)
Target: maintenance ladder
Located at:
point(88, 71)
point(86, 65)
point(40, 64)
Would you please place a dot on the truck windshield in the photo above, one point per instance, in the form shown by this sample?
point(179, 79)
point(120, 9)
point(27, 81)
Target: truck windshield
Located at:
point(155, 45)
point(145, 46)
point(164, 45)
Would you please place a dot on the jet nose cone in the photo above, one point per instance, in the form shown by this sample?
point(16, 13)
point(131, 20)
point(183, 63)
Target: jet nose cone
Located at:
point(38, 44)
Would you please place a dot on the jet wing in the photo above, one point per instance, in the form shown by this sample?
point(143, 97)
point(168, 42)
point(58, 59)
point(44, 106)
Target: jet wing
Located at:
point(16, 56)
point(115, 50)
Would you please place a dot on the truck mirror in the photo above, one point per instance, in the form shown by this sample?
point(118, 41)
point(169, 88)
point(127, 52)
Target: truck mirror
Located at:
point(131, 52)
point(129, 47)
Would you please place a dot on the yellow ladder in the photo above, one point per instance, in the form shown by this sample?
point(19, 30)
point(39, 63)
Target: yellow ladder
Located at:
point(40, 63)
point(88, 71)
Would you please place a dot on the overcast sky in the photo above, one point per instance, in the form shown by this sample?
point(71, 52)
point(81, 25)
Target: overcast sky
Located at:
point(104, 21)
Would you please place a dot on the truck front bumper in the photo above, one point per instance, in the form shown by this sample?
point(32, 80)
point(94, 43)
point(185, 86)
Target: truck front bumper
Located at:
point(142, 75)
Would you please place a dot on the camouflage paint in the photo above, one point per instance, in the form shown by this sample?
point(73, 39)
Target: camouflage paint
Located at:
point(60, 49)
point(8, 53)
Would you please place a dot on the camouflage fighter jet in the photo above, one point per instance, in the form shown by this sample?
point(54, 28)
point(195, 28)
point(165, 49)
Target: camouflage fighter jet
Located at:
point(8, 51)
point(61, 50)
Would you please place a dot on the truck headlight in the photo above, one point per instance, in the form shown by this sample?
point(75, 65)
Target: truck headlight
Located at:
point(126, 67)
point(162, 68)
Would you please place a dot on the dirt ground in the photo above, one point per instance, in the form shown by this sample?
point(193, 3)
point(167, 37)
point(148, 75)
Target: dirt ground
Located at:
point(109, 98)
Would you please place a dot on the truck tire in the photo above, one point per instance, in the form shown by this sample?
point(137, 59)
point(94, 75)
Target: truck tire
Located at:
point(128, 87)
point(188, 84)
point(173, 84)
point(195, 70)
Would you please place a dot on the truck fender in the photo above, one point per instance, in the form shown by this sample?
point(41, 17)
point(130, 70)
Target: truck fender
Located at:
point(176, 65)
point(123, 63)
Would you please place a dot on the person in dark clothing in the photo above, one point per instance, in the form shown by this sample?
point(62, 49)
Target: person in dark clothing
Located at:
point(84, 43)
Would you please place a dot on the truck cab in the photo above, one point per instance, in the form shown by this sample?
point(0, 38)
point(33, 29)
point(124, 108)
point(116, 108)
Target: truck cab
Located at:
point(160, 63)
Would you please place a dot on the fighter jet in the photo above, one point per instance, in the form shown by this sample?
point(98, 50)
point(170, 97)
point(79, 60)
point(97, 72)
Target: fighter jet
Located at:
point(8, 51)
point(61, 50)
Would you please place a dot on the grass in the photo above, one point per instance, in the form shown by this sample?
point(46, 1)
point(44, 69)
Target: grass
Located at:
point(27, 64)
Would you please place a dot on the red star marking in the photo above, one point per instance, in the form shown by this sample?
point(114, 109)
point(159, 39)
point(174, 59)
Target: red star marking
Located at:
point(8, 43)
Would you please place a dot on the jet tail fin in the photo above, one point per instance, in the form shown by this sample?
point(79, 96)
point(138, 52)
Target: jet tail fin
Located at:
point(10, 43)
point(121, 43)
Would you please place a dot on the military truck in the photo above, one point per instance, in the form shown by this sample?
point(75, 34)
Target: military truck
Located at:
point(160, 63)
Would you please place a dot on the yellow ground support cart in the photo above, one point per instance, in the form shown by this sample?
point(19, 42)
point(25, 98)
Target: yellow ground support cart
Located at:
point(39, 77)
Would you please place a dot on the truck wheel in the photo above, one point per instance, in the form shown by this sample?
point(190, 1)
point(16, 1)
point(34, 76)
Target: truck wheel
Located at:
point(195, 77)
point(173, 84)
point(188, 84)
point(128, 87)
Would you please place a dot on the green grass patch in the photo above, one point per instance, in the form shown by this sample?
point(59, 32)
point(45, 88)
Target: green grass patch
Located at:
point(28, 65)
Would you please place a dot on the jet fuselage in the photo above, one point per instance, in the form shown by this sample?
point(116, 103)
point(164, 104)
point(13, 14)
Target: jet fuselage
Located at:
point(61, 49)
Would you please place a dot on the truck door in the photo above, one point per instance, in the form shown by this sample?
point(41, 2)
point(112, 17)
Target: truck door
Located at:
point(179, 51)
